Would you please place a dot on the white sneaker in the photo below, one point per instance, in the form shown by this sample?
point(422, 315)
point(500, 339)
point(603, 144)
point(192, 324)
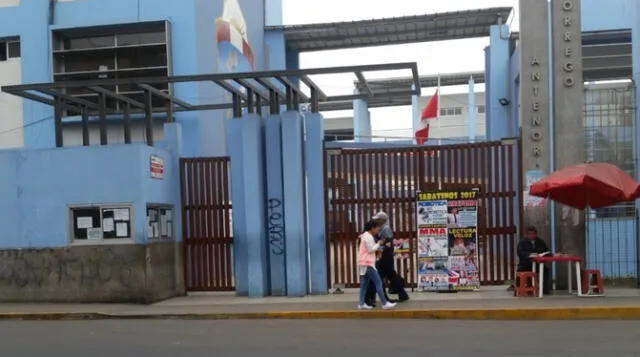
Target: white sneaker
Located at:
point(364, 307)
point(389, 305)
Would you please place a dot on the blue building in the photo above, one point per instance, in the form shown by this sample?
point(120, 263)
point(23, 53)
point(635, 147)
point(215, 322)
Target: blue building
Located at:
point(95, 203)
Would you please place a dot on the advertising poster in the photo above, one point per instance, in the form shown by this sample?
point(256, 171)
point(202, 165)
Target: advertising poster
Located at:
point(401, 248)
point(529, 201)
point(447, 240)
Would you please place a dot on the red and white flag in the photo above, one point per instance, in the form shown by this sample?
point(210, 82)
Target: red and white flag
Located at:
point(429, 112)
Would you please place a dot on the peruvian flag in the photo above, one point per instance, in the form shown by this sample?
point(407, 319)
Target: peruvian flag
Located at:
point(430, 111)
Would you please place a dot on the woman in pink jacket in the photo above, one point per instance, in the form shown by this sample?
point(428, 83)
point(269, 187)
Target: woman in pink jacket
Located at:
point(367, 265)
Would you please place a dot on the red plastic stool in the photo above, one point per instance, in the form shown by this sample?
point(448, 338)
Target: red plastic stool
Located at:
point(592, 282)
point(526, 284)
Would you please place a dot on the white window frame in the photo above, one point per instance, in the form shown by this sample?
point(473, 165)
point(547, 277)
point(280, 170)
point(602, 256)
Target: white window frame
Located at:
point(73, 240)
point(4, 43)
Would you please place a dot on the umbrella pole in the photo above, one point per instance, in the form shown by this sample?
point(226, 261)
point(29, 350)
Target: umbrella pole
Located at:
point(552, 226)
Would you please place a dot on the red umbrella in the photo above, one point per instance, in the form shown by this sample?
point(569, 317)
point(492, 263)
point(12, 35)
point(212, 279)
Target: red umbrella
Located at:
point(593, 185)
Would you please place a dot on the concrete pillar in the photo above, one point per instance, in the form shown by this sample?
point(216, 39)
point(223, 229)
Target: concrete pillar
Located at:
point(275, 206)
point(415, 112)
point(487, 95)
point(293, 62)
point(497, 82)
point(534, 108)
point(473, 111)
point(361, 120)
point(635, 51)
point(173, 143)
point(568, 92)
point(314, 164)
point(294, 204)
point(273, 13)
point(247, 194)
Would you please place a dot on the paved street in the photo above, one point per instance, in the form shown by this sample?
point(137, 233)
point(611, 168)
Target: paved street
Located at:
point(310, 338)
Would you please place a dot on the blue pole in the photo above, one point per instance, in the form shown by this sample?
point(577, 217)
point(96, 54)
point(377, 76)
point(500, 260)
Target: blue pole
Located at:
point(472, 111)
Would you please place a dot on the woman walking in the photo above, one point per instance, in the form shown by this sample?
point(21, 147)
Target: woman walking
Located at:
point(367, 265)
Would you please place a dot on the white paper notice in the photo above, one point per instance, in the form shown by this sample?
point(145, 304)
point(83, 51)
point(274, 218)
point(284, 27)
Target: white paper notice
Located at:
point(121, 230)
point(94, 234)
point(84, 222)
point(107, 225)
point(121, 214)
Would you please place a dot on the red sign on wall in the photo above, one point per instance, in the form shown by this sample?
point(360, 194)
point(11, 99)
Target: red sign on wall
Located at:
point(156, 167)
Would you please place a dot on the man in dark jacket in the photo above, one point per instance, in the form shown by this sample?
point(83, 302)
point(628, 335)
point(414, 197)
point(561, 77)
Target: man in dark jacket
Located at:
point(386, 264)
point(529, 248)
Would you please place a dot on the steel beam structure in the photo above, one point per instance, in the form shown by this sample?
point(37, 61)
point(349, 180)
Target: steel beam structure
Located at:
point(251, 90)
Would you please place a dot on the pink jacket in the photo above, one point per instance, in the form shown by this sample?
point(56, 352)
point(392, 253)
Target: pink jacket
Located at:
point(367, 250)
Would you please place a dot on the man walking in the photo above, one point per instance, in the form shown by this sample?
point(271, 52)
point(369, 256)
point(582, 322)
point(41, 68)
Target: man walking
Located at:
point(386, 263)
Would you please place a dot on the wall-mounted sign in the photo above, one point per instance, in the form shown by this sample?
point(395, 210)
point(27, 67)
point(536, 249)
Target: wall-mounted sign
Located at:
point(156, 167)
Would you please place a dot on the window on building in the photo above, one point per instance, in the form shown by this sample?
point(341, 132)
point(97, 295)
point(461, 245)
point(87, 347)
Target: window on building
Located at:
point(160, 222)
point(119, 51)
point(481, 109)
point(101, 223)
point(9, 49)
point(451, 111)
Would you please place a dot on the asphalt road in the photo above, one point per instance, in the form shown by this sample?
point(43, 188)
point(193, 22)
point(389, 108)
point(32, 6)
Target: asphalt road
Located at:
point(311, 338)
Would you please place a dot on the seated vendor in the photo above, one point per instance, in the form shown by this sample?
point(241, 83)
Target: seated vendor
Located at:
point(529, 248)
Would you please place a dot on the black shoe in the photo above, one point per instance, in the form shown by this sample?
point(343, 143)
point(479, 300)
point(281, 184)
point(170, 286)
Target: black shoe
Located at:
point(403, 300)
point(393, 301)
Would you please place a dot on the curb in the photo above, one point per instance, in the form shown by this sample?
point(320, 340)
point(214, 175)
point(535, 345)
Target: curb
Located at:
point(581, 313)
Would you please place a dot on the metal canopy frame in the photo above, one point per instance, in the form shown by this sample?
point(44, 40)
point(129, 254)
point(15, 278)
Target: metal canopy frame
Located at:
point(392, 31)
point(606, 55)
point(383, 89)
point(251, 90)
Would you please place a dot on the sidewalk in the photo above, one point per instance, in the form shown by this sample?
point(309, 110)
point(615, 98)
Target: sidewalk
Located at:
point(490, 303)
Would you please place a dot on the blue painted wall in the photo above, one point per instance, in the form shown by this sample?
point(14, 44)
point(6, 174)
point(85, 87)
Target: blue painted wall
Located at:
point(194, 50)
point(39, 185)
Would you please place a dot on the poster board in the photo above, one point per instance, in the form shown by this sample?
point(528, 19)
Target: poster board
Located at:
point(447, 227)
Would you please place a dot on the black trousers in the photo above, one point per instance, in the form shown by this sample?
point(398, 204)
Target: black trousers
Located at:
point(547, 276)
point(394, 280)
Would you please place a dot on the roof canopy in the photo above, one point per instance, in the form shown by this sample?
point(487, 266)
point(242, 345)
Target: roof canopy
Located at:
point(606, 55)
point(393, 31)
point(251, 90)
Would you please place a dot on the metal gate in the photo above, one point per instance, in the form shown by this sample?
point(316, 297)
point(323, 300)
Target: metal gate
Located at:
point(206, 224)
point(362, 181)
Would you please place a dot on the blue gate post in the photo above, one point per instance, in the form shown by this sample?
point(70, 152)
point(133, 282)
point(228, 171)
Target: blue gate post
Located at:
point(314, 163)
point(294, 204)
point(275, 206)
point(245, 145)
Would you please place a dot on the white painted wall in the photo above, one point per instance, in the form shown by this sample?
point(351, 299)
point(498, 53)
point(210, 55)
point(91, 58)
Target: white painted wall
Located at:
point(11, 124)
point(457, 125)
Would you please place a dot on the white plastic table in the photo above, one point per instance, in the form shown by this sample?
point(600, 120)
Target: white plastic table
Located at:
point(577, 261)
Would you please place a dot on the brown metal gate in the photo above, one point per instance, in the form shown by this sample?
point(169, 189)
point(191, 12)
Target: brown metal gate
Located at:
point(206, 224)
point(362, 181)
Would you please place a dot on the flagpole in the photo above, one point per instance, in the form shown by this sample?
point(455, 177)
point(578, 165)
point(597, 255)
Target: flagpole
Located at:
point(438, 110)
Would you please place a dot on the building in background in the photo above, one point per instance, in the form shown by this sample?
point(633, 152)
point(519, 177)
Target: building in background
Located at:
point(11, 131)
point(451, 127)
